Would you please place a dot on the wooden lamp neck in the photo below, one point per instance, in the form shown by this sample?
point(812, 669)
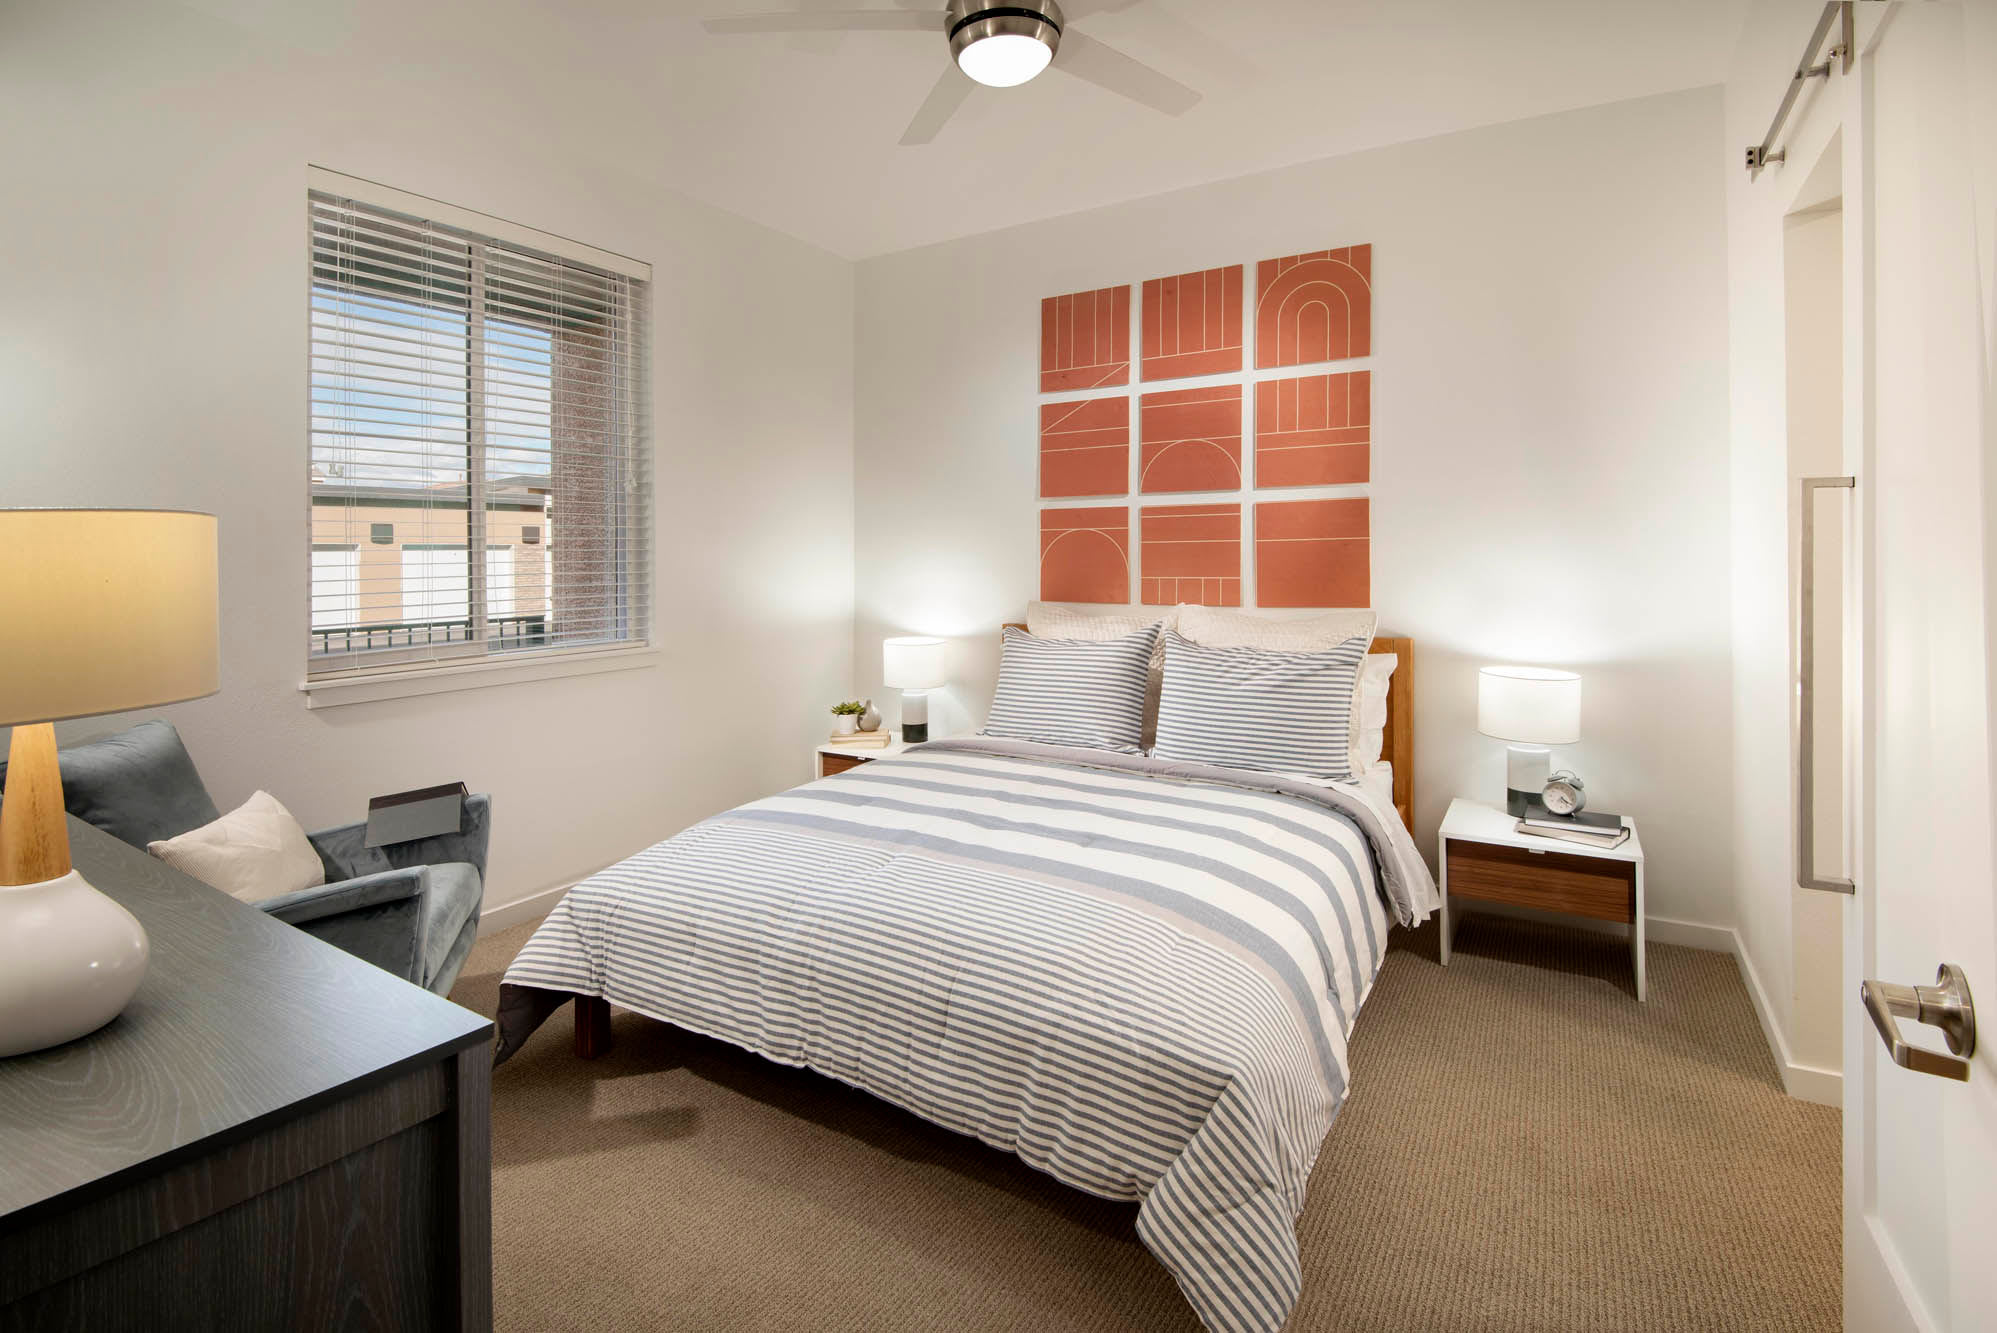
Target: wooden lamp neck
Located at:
point(34, 840)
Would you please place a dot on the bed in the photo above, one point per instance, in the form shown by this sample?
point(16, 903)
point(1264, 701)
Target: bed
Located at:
point(1138, 976)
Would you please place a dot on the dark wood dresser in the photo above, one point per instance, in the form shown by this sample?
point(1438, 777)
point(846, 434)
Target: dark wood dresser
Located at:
point(273, 1135)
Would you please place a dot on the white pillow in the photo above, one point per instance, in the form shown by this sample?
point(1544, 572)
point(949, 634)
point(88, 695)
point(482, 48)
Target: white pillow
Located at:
point(1048, 620)
point(1221, 627)
point(254, 852)
point(1372, 707)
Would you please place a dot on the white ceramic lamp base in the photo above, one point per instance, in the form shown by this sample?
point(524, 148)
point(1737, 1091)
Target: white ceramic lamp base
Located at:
point(70, 959)
point(1527, 768)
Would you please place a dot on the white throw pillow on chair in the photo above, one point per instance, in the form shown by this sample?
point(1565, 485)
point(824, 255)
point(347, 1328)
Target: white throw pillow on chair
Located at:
point(254, 852)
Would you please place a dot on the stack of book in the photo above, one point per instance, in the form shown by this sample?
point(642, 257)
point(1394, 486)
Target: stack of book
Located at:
point(1589, 828)
point(865, 740)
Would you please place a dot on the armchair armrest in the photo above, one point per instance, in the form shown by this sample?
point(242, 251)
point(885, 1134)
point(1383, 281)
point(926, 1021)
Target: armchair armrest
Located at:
point(376, 917)
point(345, 853)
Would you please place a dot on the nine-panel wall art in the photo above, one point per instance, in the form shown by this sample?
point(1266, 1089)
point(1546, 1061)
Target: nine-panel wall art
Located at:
point(1248, 483)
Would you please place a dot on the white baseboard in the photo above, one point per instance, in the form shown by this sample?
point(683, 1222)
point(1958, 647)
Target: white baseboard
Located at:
point(1810, 1083)
point(1690, 934)
point(533, 907)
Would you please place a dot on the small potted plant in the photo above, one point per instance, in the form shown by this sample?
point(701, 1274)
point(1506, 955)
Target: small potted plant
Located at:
point(846, 717)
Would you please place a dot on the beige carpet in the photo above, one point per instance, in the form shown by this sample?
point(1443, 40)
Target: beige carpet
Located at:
point(1525, 1147)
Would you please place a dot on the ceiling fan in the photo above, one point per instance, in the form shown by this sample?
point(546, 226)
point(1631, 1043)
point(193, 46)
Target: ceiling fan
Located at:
point(1000, 46)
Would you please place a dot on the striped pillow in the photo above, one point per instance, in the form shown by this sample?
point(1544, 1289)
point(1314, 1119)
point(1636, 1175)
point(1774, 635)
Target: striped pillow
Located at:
point(1274, 712)
point(1073, 691)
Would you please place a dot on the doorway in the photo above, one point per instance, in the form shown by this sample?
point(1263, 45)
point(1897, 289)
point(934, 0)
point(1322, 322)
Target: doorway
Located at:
point(1813, 287)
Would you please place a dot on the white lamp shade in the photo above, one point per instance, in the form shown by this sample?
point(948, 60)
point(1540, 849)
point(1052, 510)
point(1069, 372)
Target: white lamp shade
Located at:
point(1532, 705)
point(105, 610)
point(913, 662)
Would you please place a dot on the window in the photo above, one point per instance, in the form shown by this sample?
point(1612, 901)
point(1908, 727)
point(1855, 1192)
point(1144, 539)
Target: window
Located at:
point(335, 586)
point(471, 391)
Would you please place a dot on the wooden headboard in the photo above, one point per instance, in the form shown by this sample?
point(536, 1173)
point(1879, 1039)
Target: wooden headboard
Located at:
point(1398, 746)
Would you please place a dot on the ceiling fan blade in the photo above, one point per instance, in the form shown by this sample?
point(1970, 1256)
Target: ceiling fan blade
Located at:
point(838, 20)
point(1086, 58)
point(937, 108)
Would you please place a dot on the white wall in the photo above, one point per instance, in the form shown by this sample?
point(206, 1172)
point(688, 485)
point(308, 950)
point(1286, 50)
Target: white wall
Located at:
point(1550, 438)
point(152, 353)
point(1773, 912)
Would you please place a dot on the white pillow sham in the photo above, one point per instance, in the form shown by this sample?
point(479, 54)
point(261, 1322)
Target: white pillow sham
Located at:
point(1371, 728)
point(1225, 627)
point(254, 852)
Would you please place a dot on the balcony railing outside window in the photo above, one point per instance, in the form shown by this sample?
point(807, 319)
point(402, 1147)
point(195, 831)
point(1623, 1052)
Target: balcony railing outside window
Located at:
point(505, 633)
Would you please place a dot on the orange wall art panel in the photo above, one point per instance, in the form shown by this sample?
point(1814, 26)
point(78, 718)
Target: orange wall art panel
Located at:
point(1315, 307)
point(1314, 431)
point(1191, 440)
point(1191, 553)
point(1085, 554)
point(1192, 324)
point(1085, 448)
point(1313, 553)
point(1085, 340)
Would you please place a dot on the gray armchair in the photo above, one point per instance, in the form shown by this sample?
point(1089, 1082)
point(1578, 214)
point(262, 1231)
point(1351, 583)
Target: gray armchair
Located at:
point(411, 909)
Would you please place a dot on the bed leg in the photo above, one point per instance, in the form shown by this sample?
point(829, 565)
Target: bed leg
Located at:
point(592, 1026)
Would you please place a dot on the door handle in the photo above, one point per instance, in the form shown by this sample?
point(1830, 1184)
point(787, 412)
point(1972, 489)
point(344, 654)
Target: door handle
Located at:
point(1945, 1005)
point(1806, 695)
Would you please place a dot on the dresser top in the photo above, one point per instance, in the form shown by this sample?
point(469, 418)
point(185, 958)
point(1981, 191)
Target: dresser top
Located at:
point(241, 1019)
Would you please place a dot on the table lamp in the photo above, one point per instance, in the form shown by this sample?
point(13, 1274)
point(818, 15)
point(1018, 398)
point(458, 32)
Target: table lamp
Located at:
point(103, 610)
point(1534, 707)
point(914, 664)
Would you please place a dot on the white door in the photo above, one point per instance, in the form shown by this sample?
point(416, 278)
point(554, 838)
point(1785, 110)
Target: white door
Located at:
point(1921, 1150)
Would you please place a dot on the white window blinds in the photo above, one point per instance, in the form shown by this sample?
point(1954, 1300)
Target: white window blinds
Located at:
point(480, 445)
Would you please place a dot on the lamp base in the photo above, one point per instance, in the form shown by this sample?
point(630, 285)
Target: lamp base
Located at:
point(70, 959)
point(1527, 768)
point(914, 716)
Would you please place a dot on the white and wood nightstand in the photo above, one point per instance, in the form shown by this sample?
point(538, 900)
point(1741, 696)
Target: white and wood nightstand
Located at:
point(832, 757)
point(1484, 858)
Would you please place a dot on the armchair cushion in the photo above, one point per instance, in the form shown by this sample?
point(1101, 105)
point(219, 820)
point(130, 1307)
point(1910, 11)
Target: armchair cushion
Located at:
point(139, 786)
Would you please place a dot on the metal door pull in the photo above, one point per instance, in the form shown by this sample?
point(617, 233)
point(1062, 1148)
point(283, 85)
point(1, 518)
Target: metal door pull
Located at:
point(1945, 1005)
point(1806, 695)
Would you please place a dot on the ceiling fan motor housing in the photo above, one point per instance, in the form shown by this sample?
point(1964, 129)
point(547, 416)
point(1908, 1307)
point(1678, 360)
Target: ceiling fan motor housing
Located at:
point(973, 21)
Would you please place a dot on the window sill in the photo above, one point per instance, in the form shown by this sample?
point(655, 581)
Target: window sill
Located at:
point(366, 687)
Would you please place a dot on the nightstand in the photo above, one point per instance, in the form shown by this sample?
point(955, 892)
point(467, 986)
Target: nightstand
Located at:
point(832, 757)
point(1483, 858)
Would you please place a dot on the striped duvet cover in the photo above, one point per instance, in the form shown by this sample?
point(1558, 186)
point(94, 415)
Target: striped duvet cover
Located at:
point(1139, 976)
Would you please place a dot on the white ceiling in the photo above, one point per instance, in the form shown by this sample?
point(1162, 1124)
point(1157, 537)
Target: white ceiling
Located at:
point(799, 132)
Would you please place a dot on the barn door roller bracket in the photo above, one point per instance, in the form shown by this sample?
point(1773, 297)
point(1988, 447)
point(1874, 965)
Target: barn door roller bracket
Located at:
point(1838, 13)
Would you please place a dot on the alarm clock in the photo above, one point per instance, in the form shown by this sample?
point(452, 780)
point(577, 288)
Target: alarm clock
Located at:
point(1565, 794)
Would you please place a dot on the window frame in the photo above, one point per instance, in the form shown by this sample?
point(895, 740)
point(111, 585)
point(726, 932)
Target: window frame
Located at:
point(400, 673)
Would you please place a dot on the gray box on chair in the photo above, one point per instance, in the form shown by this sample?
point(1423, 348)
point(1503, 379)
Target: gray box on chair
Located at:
point(405, 816)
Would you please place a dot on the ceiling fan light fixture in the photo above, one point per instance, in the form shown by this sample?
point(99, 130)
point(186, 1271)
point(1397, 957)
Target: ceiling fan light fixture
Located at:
point(1003, 46)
